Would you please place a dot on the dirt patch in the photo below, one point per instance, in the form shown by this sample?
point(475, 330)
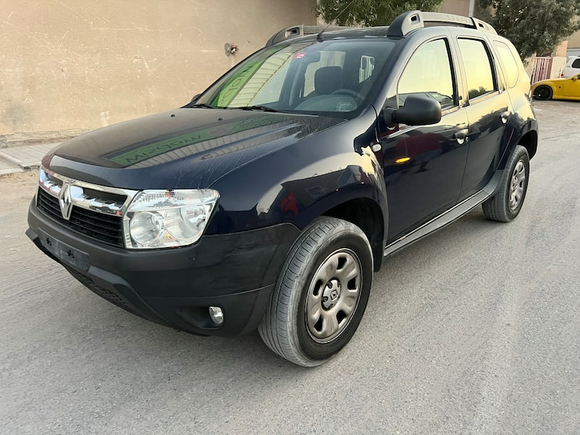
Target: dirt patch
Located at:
point(18, 179)
point(16, 191)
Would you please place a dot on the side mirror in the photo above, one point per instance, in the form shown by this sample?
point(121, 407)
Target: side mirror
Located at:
point(417, 110)
point(574, 78)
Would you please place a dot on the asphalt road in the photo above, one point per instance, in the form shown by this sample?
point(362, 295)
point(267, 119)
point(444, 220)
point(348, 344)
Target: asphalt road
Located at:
point(475, 329)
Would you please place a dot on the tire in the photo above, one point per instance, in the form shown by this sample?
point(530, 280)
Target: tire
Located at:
point(506, 204)
point(543, 92)
point(328, 272)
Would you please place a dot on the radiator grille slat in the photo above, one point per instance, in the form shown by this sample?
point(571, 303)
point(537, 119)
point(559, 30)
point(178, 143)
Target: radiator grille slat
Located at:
point(102, 227)
point(99, 220)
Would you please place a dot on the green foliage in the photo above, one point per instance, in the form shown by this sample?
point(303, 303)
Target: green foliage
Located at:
point(370, 12)
point(533, 26)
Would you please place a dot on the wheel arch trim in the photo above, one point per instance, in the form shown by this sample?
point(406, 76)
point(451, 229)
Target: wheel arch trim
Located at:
point(351, 203)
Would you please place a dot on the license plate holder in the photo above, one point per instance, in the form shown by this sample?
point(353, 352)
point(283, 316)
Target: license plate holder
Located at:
point(65, 253)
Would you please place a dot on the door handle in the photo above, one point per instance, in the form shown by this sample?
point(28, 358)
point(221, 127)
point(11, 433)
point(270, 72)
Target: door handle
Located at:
point(505, 116)
point(461, 136)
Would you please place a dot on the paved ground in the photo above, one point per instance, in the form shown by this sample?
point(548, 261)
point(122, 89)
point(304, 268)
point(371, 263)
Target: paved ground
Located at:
point(473, 330)
point(21, 158)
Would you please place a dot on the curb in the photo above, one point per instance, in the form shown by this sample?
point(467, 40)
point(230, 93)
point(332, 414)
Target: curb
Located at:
point(23, 158)
point(14, 140)
point(12, 160)
point(10, 171)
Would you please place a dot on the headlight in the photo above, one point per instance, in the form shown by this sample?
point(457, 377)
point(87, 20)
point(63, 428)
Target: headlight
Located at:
point(166, 218)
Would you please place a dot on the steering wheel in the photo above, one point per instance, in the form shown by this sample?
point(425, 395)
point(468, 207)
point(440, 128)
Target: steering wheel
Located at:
point(354, 94)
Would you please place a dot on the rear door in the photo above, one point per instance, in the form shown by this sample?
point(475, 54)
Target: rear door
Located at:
point(424, 164)
point(488, 111)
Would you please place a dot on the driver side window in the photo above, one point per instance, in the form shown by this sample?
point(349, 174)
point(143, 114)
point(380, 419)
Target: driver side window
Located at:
point(429, 73)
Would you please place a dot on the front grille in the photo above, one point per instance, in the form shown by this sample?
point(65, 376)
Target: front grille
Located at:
point(99, 226)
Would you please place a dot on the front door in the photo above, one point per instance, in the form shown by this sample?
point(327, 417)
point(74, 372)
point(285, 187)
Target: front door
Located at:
point(424, 164)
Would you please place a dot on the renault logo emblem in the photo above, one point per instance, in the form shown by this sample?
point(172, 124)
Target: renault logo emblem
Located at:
point(65, 201)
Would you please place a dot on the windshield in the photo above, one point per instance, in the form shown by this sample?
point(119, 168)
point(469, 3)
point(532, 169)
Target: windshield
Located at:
point(331, 77)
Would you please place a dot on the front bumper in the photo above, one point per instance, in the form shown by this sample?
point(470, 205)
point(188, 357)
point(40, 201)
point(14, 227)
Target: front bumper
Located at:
point(174, 287)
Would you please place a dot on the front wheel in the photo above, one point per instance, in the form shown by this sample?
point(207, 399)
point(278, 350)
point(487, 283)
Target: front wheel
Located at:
point(506, 204)
point(543, 92)
point(321, 294)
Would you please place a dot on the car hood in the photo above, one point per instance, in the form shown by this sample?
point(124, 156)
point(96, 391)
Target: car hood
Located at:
point(183, 148)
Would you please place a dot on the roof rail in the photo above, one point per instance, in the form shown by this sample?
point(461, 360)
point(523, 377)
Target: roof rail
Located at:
point(413, 20)
point(482, 25)
point(299, 30)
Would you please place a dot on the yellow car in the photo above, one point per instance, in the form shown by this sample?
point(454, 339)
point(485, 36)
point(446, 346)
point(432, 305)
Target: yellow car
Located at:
point(557, 89)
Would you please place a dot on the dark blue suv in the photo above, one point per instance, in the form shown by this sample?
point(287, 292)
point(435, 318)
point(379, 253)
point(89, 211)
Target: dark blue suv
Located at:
point(269, 200)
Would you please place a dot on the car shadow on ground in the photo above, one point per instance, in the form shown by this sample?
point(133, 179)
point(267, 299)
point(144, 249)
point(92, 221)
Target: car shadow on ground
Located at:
point(125, 336)
point(79, 348)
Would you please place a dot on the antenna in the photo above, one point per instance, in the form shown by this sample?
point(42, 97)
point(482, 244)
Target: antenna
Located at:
point(319, 36)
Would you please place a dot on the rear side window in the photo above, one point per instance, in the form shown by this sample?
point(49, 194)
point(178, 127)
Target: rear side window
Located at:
point(429, 73)
point(367, 66)
point(478, 67)
point(576, 63)
point(508, 63)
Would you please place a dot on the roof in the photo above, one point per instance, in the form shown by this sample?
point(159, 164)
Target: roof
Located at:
point(399, 28)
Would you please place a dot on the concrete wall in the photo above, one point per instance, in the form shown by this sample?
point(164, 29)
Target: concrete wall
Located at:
point(558, 65)
point(460, 7)
point(574, 40)
point(83, 64)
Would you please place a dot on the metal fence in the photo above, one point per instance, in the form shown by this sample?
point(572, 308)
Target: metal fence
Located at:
point(542, 69)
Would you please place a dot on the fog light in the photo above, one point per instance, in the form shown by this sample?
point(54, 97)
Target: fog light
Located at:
point(217, 315)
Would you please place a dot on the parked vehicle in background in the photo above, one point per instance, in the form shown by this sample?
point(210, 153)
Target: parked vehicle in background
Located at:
point(572, 67)
point(270, 199)
point(557, 89)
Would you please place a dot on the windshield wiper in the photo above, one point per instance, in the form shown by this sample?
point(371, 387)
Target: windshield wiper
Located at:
point(258, 107)
point(204, 105)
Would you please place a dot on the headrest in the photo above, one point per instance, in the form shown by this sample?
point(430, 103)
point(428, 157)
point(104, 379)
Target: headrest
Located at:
point(327, 80)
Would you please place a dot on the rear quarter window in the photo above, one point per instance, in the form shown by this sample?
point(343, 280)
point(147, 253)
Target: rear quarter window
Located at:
point(508, 63)
point(576, 63)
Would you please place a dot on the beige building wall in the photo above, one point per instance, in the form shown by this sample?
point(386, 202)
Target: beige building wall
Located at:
point(84, 64)
point(460, 7)
point(574, 40)
point(457, 7)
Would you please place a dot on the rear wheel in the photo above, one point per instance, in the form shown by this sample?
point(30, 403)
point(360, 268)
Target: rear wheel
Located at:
point(321, 294)
point(543, 92)
point(506, 204)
